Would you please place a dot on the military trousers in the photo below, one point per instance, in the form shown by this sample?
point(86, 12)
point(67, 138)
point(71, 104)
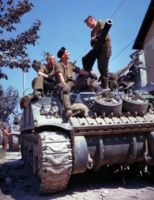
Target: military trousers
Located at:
point(37, 83)
point(65, 89)
point(41, 83)
point(103, 62)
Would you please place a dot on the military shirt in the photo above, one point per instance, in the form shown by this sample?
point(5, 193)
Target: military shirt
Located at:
point(96, 33)
point(66, 70)
point(48, 70)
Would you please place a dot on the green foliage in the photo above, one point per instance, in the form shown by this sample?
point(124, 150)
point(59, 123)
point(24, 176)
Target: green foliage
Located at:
point(13, 50)
point(8, 102)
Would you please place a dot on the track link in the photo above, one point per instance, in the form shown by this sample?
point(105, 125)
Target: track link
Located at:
point(50, 159)
point(55, 161)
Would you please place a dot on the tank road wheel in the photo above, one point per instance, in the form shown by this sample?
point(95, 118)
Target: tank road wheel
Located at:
point(107, 106)
point(54, 161)
point(134, 104)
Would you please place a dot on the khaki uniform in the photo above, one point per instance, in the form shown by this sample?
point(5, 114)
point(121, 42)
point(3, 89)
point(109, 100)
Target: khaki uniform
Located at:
point(82, 82)
point(65, 88)
point(41, 83)
point(104, 54)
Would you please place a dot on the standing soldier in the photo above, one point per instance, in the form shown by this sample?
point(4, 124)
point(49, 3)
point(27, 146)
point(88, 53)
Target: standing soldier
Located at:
point(105, 51)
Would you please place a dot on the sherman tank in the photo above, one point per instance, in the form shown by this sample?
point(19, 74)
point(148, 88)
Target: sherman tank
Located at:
point(14, 139)
point(116, 129)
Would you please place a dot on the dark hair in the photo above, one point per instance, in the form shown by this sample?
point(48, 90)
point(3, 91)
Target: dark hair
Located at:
point(61, 52)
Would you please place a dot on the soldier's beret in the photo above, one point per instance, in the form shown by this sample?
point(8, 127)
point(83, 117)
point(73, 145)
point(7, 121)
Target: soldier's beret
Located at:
point(61, 52)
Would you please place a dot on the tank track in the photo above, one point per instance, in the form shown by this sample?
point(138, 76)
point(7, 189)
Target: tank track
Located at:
point(51, 159)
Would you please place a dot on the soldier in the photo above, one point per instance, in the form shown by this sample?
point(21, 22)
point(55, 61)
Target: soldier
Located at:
point(5, 136)
point(105, 52)
point(64, 73)
point(45, 80)
point(42, 84)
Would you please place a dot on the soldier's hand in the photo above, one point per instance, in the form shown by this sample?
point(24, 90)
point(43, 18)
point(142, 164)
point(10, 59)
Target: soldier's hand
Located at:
point(93, 76)
point(50, 77)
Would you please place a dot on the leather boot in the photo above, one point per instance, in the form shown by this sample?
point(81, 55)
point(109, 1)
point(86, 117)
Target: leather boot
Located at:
point(67, 104)
point(105, 85)
point(37, 94)
point(105, 82)
point(25, 100)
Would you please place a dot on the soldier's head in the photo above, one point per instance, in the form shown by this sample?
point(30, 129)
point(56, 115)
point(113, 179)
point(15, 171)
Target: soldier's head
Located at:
point(50, 60)
point(63, 53)
point(4, 126)
point(90, 21)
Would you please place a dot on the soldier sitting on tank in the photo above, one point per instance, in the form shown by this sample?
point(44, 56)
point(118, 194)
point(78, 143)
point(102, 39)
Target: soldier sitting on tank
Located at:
point(45, 81)
point(64, 75)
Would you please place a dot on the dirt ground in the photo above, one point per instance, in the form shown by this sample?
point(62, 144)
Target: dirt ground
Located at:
point(16, 182)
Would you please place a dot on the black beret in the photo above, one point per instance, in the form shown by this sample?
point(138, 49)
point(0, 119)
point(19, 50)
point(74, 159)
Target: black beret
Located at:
point(61, 52)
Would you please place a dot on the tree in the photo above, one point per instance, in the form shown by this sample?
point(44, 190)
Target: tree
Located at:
point(8, 102)
point(13, 50)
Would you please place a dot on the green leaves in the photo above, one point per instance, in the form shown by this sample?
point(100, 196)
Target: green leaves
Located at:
point(13, 50)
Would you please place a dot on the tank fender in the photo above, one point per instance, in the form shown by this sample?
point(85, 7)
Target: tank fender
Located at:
point(27, 120)
point(151, 144)
point(81, 155)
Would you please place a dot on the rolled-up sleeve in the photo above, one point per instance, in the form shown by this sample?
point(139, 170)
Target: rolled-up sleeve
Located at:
point(58, 68)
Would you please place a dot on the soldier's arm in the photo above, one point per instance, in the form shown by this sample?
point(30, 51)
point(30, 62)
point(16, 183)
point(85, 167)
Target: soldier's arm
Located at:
point(60, 77)
point(42, 71)
point(42, 74)
point(59, 74)
point(6, 132)
point(83, 72)
point(95, 36)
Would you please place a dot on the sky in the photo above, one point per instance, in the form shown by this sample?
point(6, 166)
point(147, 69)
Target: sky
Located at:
point(63, 25)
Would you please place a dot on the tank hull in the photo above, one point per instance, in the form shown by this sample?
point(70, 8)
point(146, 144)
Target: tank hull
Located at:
point(56, 148)
point(112, 141)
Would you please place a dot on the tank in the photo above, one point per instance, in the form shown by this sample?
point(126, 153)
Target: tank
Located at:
point(116, 129)
point(14, 138)
point(105, 133)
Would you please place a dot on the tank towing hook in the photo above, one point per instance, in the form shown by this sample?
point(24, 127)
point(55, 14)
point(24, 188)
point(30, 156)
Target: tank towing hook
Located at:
point(90, 162)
